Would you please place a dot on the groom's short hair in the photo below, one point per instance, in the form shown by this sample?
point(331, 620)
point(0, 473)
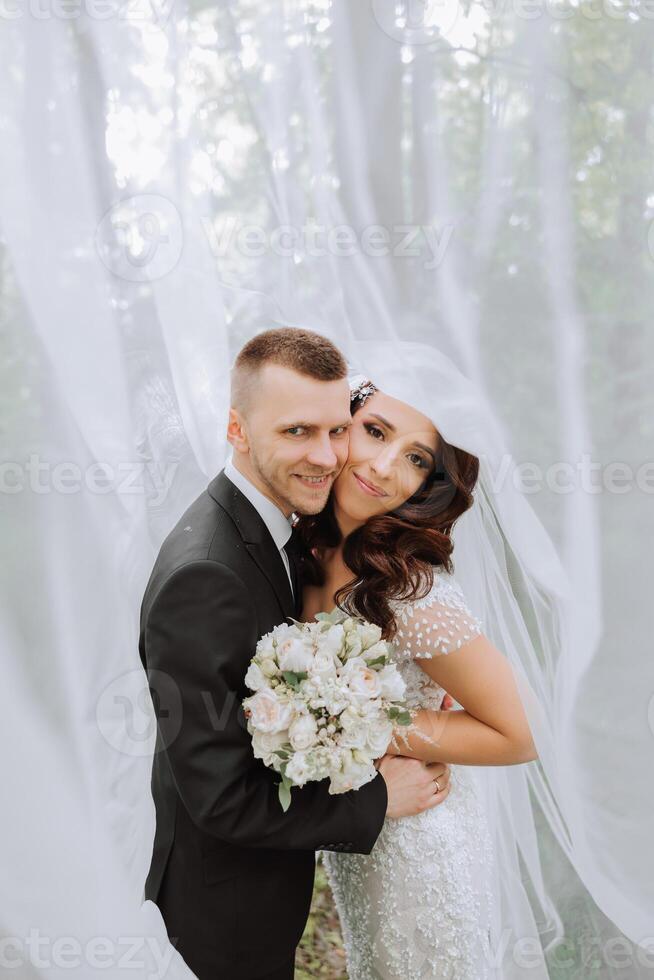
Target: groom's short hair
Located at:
point(303, 351)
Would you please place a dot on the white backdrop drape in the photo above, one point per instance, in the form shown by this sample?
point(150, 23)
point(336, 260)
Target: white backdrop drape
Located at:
point(173, 180)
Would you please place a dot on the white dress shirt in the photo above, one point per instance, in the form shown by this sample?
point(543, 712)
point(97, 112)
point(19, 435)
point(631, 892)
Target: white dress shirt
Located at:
point(280, 527)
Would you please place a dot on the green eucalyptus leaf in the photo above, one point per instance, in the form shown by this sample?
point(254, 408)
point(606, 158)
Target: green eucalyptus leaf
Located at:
point(284, 795)
point(293, 679)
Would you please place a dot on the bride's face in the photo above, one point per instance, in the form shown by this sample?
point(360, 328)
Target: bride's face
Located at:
point(392, 452)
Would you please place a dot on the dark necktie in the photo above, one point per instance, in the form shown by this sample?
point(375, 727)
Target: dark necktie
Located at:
point(295, 579)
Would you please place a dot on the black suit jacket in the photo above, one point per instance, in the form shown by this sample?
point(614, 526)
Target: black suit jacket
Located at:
point(231, 872)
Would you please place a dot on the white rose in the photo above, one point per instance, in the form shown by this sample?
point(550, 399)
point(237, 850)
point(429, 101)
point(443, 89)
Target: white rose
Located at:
point(265, 745)
point(323, 665)
point(349, 718)
point(353, 729)
point(353, 644)
point(299, 769)
point(392, 683)
point(370, 709)
point(354, 737)
point(294, 655)
point(370, 634)
point(378, 736)
point(353, 774)
point(361, 679)
point(268, 667)
point(267, 712)
point(286, 631)
point(379, 649)
point(265, 647)
point(254, 677)
point(332, 640)
point(303, 732)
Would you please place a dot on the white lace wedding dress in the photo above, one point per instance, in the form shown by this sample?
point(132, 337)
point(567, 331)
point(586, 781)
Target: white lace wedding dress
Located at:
point(418, 907)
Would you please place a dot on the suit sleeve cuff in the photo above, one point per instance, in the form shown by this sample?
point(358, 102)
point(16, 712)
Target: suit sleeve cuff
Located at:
point(372, 815)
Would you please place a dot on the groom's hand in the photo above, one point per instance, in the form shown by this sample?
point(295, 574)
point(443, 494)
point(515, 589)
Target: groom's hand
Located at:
point(411, 785)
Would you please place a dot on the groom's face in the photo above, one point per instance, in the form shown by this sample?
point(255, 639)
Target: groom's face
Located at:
point(292, 438)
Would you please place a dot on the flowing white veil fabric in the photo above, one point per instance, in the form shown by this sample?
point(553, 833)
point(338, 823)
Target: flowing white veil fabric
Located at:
point(514, 581)
point(174, 178)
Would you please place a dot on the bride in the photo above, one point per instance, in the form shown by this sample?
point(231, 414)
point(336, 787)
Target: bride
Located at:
point(420, 905)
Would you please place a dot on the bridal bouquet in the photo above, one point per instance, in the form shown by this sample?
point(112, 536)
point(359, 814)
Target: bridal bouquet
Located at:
point(326, 699)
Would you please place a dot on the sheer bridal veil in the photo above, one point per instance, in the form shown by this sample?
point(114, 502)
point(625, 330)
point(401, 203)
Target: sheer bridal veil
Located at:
point(550, 834)
point(175, 177)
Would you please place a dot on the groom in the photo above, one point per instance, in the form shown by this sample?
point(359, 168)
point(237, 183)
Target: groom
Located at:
point(231, 872)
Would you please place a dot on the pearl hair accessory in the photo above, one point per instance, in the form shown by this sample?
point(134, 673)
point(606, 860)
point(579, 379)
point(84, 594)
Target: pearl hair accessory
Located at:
point(361, 388)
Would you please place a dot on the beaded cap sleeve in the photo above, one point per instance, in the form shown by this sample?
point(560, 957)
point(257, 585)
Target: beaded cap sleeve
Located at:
point(437, 624)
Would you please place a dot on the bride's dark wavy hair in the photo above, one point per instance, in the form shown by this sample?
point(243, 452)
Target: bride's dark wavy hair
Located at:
point(392, 555)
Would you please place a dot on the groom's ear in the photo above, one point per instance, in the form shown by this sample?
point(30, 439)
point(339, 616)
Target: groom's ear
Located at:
point(236, 432)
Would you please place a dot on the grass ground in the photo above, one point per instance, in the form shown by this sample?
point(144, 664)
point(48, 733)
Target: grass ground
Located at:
point(320, 955)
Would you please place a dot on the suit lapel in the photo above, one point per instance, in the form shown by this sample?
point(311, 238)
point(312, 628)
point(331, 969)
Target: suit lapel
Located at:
point(270, 562)
point(256, 537)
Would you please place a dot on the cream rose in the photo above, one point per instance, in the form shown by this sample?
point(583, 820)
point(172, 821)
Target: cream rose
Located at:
point(362, 680)
point(267, 712)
